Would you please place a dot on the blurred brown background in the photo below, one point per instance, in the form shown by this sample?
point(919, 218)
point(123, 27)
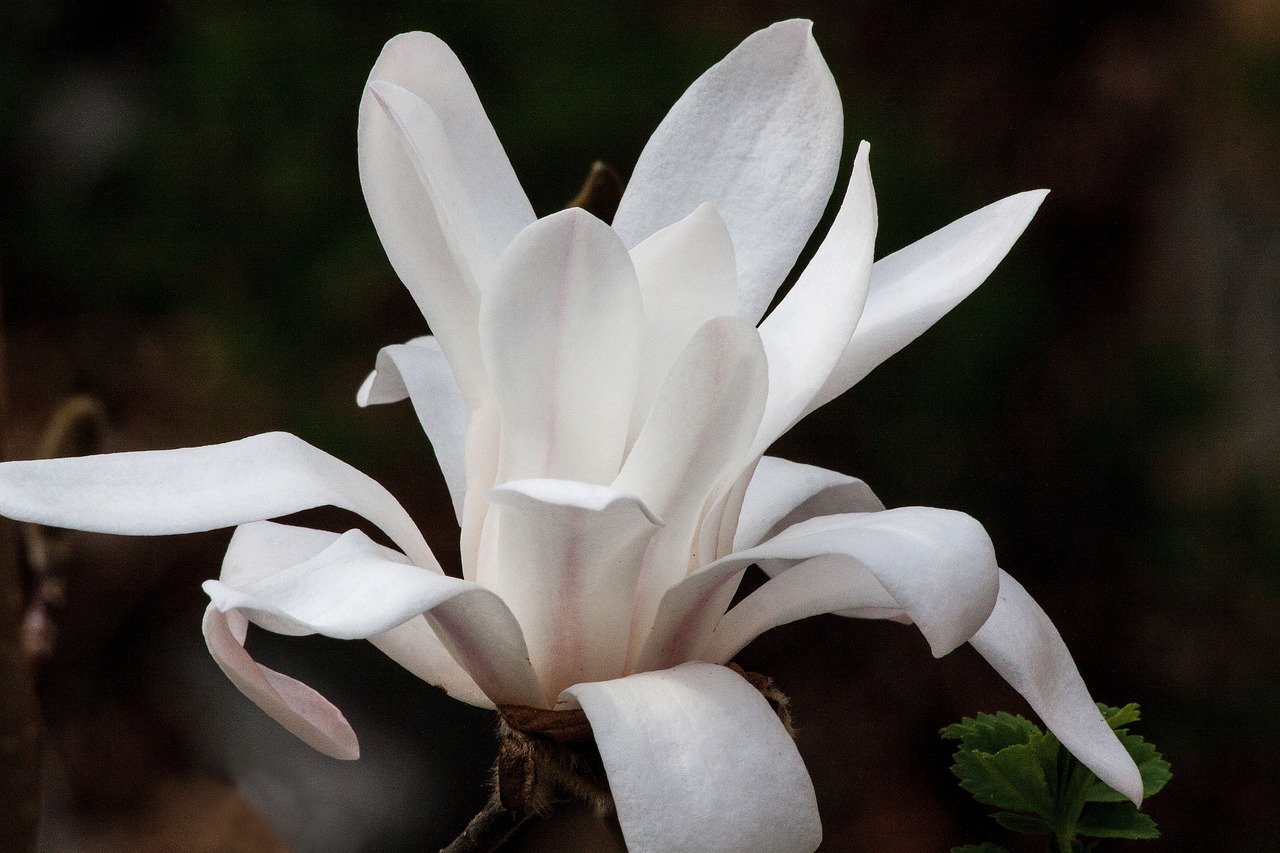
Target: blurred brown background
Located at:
point(182, 236)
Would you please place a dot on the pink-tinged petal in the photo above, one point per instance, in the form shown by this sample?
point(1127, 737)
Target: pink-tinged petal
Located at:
point(937, 564)
point(292, 704)
point(419, 370)
point(263, 548)
point(783, 493)
point(161, 492)
point(826, 584)
point(566, 559)
point(698, 761)
point(914, 287)
point(806, 334)
point(758, 136)
point(424, 65)
point(1020, 642)
point(699, 431)
point(560, 332)
point(687, 275)
point(412, 188)
point(357, 589)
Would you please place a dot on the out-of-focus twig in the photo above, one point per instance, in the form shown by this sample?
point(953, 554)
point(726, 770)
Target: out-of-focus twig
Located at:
point(601, 192)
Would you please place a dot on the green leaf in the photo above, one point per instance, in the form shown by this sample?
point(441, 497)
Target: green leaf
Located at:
point(979, 848)
point(1154, 769)
point(1120, 717)
point(1013, 778)
point(1023, 823)
point(1116, 820)
point(991, 733)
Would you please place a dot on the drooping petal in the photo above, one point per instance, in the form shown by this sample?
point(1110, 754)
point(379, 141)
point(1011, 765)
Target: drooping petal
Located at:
point(700, 429)
point(698, 762)
point(758, 136)
point(1022, 644)
point(937, 564)
point(806, 334)
point(424, 65)
point(783, 493)
point(915, 286)
point(263, 548)
point(560, 330)
point(419, 370)
point(566, 559)
point(825, 584)
point(687, 275)
point(159, 492)
point(292, 704)
point(356, 589)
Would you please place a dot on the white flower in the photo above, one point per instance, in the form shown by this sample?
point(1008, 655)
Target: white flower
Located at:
point(599, 399)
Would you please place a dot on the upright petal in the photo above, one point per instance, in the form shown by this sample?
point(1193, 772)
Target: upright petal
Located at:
point(560, 331)
point(160, 492)
point(356, 589)
point(292, 704)
point(938, 565)
point(914, 287)
point(698, 762)
point(1024, 647)
point(783, 493)
point(687, 275)
point(566, 559)
point(420, 371)
point(806, 334)
point(758, 136)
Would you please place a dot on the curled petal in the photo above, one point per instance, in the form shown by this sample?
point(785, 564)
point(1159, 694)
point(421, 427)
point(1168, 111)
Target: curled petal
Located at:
point(160, 492)
point(915, 286)
point(698, 761)
point(419, 370)
point(566, 559)
point(357, 589)
point(806, 334)
point(758, 136)
point(292, 704)
point(560, 331)
point(938, 565)
point(783, 493)
point(1020, 642)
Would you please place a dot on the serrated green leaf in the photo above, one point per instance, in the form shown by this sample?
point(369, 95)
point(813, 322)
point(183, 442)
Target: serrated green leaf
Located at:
point(1013, 778)
point(1023, 823)
point(979, 848)
point(1116, 820)
point(1120, 717)
point(991, 733)
point(1154, 769)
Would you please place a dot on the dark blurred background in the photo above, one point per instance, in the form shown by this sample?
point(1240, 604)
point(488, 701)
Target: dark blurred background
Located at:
point(182, 236)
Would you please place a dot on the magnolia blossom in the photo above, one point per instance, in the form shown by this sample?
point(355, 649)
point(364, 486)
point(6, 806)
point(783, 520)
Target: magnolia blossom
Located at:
point(600, 398)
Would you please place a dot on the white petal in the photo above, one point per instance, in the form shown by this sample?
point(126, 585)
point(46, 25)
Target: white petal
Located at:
point(806, 334)
point(914, 287)
point(783, 493)
point(937, 564)
point(758, 136)
point(421, 372)
point(484, 430)
point(687, 275)
point(160, 492)
point(423, 64)
point(1024, 647)
point(566, 559)
point(560, 334)
point(289, 702)
point(825, 584)
point(698, 762)
point(263, 548)
point(355, 589)
point(699, 431)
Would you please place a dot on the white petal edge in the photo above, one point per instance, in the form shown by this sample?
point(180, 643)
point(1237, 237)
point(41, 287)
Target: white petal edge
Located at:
point(1021, 643)
point(292, 704)
point(698, 762)
point(783, 493)
point(914, 287)
point(160, 492)
point(758, 136)
point(805, 336)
